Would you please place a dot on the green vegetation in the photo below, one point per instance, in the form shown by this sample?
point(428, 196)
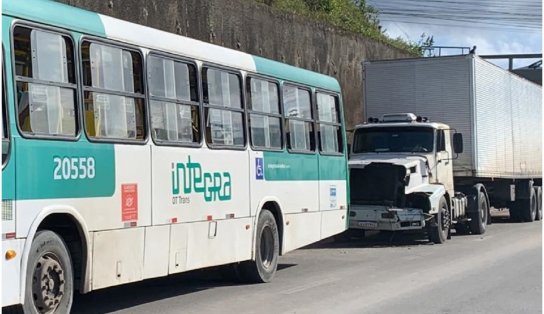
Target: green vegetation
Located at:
point(351, 15)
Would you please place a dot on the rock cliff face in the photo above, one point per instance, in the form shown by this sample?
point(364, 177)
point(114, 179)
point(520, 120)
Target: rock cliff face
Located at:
point(257, 29)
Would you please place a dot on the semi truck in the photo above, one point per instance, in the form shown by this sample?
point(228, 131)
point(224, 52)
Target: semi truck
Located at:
point(447, 138)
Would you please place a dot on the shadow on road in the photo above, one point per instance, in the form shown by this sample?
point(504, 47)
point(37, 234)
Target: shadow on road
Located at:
point(372, 239)
point(377, 239)
point(134, 294)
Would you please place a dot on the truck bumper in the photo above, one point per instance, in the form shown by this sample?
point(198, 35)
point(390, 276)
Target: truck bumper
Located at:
point(11, 271)
point(385, 218)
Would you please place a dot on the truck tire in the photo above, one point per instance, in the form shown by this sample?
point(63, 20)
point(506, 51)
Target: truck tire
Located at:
point(49, 275)
point(538, 193)
point(527, 208)
point(439, 230)
point(479, 218)
point(267, 248)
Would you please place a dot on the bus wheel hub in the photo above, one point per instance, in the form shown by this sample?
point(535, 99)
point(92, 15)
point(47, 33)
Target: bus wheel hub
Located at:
point(47, 284)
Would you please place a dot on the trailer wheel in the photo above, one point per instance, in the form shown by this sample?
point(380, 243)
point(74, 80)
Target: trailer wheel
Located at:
point(527, 208)
point(439, 229)
point(479, 218)
point(49, 275)
point(267, 248)
point(538, 193)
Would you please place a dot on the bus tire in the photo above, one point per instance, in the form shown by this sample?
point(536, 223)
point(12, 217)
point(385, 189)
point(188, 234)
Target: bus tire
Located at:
point(267, 247)
point(479, 218)
point(49, 275)
point(439, 230)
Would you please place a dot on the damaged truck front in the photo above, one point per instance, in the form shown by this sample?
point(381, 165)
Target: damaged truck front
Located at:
point(401, 179)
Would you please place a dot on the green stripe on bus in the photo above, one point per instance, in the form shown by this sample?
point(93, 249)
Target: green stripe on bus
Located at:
point(296, 75)
point(332, 168)
point(8, 190)
point(56, 14)
point(284, 166)
point(60, 169)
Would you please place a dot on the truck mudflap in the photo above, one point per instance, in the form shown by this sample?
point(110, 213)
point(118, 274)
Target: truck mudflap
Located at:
point(386, 218)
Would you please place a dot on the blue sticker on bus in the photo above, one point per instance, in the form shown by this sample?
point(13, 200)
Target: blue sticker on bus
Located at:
point(332, 197)
point(259, 168)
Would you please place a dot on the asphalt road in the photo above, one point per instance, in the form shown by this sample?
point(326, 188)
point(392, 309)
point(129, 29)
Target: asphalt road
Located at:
point(500, 272)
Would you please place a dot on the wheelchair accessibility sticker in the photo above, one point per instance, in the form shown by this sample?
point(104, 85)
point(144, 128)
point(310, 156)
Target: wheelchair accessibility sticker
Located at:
point(259, 168)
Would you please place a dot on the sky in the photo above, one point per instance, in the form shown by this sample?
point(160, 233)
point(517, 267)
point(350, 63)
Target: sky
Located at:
point(494, 26)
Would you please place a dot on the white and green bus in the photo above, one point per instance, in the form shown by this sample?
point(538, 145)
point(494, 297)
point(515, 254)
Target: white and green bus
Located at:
point(131, 153)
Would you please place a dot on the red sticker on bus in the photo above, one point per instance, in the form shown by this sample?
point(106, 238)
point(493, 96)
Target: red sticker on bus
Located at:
point(129, 202)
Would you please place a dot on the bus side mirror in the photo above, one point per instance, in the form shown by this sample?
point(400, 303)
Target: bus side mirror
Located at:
point(457, 143)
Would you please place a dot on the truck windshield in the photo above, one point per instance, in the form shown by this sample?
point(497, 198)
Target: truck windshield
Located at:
point(393, 139)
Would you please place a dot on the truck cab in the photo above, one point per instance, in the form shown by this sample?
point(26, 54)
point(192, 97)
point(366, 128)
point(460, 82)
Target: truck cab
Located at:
point(401, 174)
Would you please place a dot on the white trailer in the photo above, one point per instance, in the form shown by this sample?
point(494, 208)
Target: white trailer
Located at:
point(498, 113)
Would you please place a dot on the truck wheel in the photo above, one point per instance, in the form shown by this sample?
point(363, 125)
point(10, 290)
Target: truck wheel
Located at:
point(479, 218)
point(528, 208)
point(438, 231)
point(267, 248)
point(538, 193)
point(49, 275)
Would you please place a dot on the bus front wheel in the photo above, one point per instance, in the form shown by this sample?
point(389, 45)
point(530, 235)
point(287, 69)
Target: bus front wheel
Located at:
point(49, 275)
point(263, 268)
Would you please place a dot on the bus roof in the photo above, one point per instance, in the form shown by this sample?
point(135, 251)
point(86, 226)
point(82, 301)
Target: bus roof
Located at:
point(87, 22)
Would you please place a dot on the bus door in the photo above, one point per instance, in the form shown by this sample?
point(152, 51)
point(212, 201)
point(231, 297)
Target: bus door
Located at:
point(8, 166)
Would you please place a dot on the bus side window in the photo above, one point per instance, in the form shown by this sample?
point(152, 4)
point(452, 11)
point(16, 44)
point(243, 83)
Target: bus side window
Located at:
point(113, 92)
point(297, 110)
point(330, 131)
point(264, 117)
point(173, 92)
point(46, 84)
point(223, 108)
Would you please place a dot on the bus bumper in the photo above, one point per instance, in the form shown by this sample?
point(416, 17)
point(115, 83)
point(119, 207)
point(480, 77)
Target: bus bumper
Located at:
point(385, 218)
point(11, 272)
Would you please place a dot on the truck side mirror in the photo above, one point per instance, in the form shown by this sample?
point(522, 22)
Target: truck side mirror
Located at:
point(457, 143)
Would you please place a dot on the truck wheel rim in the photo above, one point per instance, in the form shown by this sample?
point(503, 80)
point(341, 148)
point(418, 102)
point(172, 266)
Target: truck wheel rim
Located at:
point(445, 218)
point(48, 283)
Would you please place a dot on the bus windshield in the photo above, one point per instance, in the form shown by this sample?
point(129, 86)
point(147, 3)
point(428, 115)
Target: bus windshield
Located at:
point(393, 139)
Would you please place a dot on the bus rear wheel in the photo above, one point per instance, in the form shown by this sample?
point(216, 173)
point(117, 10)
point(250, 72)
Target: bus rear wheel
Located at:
point(263, 268)
point(49, 275)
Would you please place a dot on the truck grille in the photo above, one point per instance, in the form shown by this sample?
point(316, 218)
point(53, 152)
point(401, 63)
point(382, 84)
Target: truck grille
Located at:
point(378, 184)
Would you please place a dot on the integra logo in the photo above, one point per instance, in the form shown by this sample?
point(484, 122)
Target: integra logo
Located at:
point(189, 178)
